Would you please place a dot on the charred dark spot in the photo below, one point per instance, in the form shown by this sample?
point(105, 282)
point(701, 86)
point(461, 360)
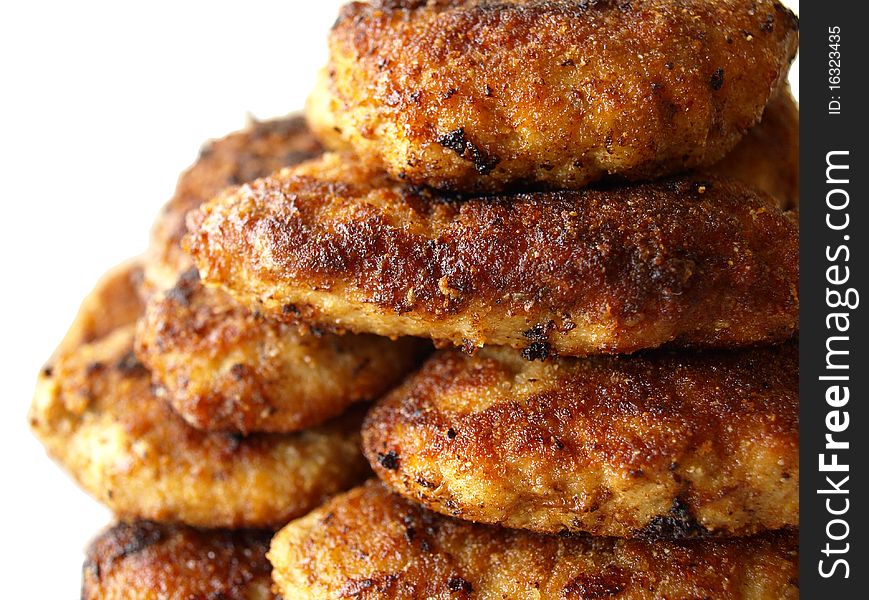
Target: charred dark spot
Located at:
point(607, 584)
point(47, 370)
point(537, 351)
point(94, 367)
point(457, 141)
point(540, 348)
point(449, 93)
point(382, 63)
point(425, 483)
point(717, 80)
point(409, 533)
point(768, 24)
point(679, 524)
point(234, 440)
point(451, 433)
point(238, 371)
point(130, 366)
point(459, 584)
point(540, 332)
point(291, 309)
point(488, 91)
point(559, 445)
point(388, 461)
point(138, 537)
point(414, 96)
point(184, 287)
point(568, 63)
point(668, 66)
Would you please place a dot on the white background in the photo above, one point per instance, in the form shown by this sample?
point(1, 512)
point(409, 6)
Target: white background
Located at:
point(102, 104)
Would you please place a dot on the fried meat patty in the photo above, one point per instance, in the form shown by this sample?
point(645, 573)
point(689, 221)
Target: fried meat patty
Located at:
point(151, 561)
point(369, 543)
point(263, 147)
point(768, 157)
point(97, 415)
point(656, 445)
point(686, 261)
point(223, 367)
point(485, 95)
point(95, 412)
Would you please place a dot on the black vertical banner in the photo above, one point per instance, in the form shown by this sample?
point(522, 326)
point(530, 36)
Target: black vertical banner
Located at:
point(834, 363)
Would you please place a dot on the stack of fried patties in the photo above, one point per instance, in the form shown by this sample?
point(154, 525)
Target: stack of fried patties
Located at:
point(588, 206)
point(205, 426)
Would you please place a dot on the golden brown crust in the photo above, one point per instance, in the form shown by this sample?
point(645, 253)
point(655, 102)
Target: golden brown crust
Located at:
point(223, 367)
point(663, 444)
point(485, 95)
point(368, 543)
point(768, 157)
point(263, 147)
point(688, 262)
point(96, 413)
point(150, 561)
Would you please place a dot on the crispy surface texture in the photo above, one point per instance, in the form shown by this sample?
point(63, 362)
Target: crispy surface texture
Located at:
point(657, 445)
point(96, 414)
point(223, 367)
point(687, 261)
point(768, 157)
point(487, 95)
point(369, 543)
point(263, 147)
point(150, 561)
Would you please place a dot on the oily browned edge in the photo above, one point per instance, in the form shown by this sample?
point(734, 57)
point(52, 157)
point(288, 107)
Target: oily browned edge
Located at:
point(145, 559)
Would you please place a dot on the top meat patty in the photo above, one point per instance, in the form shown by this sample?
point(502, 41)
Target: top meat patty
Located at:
point(263, 147)
point(485, 95)
point(688, 261)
